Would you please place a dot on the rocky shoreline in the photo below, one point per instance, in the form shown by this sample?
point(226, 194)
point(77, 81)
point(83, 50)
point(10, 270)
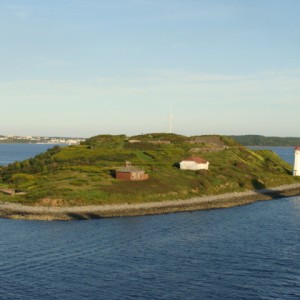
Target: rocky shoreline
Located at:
point(50, 213)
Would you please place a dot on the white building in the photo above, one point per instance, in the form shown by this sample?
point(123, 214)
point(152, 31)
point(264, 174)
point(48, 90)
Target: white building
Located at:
point(194, 163)
point(297, 162)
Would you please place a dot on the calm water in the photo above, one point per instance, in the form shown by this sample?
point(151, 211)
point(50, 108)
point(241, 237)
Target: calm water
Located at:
point(12, 152)
point(249, 252)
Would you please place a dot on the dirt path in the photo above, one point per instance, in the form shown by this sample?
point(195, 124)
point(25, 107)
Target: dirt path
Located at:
point(18, 211)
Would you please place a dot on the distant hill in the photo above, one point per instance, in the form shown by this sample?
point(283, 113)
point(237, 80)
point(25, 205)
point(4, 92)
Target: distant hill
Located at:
point(260, 140)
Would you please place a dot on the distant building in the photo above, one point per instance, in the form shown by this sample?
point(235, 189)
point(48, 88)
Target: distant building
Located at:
point(194, 163)
point(128, 172)
point(160, 142)
point(134, 141)
point(296, 171)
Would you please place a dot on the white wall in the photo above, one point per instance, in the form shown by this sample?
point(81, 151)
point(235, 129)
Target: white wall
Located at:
point(297, 163)
point(191, 165)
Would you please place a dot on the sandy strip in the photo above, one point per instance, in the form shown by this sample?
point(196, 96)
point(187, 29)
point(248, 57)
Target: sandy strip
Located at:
point(18, 211)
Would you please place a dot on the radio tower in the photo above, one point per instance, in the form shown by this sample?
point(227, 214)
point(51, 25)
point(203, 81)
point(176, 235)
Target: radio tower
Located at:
point(170, 121)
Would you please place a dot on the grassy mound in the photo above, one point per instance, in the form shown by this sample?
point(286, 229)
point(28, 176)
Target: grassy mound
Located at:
point(83, 174)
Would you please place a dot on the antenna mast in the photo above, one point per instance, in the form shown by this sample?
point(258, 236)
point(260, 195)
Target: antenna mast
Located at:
point(170, 121)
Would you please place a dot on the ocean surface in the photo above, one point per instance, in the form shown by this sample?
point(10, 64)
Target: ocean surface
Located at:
point(248, 252)
point(18, 152)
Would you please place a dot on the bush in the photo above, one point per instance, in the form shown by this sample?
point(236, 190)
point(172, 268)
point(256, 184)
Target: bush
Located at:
point(21, 179)
point(79, 182)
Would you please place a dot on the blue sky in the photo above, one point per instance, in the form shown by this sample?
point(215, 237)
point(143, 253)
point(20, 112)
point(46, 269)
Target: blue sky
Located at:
point(87, 67)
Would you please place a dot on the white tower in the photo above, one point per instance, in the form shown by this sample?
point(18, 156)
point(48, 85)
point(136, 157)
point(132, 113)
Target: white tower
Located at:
point(170, 122)
point(297, 162)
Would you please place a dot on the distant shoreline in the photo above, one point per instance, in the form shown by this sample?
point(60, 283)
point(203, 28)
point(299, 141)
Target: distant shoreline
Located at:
point(51, 213)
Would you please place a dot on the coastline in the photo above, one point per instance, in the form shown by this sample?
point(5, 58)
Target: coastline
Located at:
point(51, 213)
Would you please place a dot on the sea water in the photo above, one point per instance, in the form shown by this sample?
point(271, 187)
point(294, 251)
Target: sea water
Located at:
point(18, 152)
point(248, 252)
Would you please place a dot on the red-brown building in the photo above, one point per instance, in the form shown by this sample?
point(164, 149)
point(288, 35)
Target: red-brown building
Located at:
point(131, 173)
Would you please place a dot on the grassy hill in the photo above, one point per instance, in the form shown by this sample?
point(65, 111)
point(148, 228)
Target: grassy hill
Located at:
point(83, 174)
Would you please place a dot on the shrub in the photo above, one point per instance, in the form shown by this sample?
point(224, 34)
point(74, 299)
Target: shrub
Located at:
point(21, 179)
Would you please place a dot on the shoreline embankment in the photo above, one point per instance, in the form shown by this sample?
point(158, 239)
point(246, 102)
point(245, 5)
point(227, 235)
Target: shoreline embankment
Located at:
point(53, 213)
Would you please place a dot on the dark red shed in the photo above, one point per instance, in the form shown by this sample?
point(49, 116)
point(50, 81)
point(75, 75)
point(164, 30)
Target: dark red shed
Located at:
point(131, 173)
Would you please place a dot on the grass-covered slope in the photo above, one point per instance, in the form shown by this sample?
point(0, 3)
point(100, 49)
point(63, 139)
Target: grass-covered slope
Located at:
point(83, 174)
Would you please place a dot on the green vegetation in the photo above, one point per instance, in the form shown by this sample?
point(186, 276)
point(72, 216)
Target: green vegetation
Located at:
point(259, 140)
point(83, 174)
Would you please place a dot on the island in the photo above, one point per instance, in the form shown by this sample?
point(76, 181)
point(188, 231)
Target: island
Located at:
point(117, 175)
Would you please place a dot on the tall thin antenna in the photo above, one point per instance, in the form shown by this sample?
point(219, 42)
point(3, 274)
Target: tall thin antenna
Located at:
point(170, 121)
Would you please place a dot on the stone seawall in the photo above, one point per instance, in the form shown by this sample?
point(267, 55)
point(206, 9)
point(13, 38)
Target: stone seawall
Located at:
point(18, 211)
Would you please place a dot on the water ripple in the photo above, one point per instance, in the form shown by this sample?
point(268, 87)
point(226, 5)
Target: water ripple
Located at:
point(250, 252)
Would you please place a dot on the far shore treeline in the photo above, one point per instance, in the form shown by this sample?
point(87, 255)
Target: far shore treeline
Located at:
point(245, 140)
point(260, 140)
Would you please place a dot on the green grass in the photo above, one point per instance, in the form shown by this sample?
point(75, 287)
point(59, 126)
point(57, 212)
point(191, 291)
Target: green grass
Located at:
point(81, 175)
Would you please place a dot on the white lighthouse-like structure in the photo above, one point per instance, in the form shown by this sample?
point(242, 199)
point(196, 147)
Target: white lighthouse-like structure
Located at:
point(297, 162)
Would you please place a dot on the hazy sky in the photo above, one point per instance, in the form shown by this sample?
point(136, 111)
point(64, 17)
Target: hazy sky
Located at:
point(87, 67)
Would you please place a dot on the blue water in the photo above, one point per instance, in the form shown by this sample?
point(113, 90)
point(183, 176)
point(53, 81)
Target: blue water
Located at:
point(18, 152)
point(248, 252)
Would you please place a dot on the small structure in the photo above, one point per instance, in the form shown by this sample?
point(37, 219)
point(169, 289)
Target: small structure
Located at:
point(296, 171)
point(132, 141)
point(131, 173)
point(160, 142)
point(12, 192)
point(194, 163)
